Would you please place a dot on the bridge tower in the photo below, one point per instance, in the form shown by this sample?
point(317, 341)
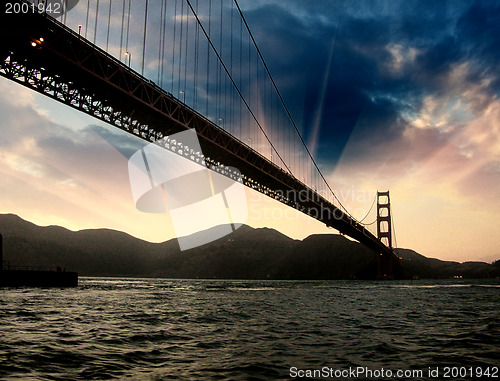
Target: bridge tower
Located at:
point(384, 228)
point(384, 233)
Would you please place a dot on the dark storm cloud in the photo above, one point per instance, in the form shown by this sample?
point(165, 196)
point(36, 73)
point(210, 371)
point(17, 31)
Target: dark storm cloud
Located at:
point(479, 30)
point(363, 85)
point(353, 72)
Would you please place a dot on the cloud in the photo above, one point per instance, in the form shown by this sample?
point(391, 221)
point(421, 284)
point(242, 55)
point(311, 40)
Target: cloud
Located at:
point(410, 104)
point(382, 60)
point(53, 173)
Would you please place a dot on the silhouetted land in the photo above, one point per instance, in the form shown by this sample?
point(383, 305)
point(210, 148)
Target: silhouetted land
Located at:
point(248, 253)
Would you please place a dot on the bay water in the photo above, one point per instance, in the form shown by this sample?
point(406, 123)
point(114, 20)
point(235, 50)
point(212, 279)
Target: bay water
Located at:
point(158, 329)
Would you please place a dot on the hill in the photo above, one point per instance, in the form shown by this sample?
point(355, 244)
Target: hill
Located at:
point(247, 253)
point(417, 265)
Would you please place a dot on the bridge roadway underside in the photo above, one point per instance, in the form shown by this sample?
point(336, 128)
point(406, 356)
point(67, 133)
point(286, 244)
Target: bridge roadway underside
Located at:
point(68, 68)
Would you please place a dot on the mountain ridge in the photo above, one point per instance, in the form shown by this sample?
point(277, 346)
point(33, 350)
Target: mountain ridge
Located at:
point(247, 253)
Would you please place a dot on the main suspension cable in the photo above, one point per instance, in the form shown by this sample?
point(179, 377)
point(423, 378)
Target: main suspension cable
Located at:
point(234, 83)
point(373, 203)
point(286, 108)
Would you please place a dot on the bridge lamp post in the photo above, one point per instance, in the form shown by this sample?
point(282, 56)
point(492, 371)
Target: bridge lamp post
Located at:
point(183, 96)
point(249, 142)
point(129, 57)
point(79, 30)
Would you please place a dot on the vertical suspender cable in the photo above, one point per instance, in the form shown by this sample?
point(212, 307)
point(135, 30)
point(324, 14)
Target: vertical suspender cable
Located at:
point(109, 23)
point(186, 51)
point(162, 23)
point(257, 97)
point(231, 118)
point(180, 52)
point(395, 245)
point(128, 26)
point(96, 15)
point(163, 44)
point(224, 94)
point(241, 74)
point(208, 51)
point(219, 72)
point(173, 47)
point(252, 114)
point(250, 90)
point(144, 41)
point(65, 10)
point(271, 117)
point(196, 49)
point(217, 87)
point(87, 19)
point(121, 33)
point(287, 111)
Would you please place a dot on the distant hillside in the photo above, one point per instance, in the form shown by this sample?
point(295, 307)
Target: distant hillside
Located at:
point(329, 256)
point(430, 268)
point(247, 253)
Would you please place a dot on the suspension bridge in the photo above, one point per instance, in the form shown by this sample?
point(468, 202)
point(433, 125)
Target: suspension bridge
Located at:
point(157, 67)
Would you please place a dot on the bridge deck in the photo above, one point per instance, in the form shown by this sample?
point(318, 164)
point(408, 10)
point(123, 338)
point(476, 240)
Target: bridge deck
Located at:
point(70, 69)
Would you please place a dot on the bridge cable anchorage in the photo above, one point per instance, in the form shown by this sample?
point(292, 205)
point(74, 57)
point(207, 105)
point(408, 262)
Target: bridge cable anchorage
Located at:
point(234, 84)
point(287, 111)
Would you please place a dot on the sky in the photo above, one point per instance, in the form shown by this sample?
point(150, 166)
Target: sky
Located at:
point(389, 95)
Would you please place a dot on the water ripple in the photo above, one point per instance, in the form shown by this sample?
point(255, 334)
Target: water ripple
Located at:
point(156, 329)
